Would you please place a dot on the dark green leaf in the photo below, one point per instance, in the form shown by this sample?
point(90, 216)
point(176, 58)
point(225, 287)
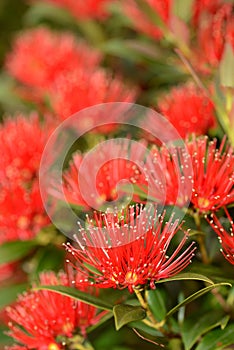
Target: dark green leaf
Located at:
point(12, 251)
point(4, 339)
point(218, 339)
point(156, 303)
point(187, 276)
point(194, 296)
point(194, 328)
point(125, 314)
point(9, 294)
point(79, 295)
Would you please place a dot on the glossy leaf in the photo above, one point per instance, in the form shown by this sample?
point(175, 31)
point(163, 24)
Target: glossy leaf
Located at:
point(194, 296)
point(12, 251)
point(156, 303)
point(9, 294)
point(124, 314)
point(218, 339)
point(227, 67)
point(194, 328)
point(187, 276)
point(78, 295)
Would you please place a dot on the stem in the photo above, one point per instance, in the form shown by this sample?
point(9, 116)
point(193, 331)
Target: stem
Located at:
point(201, 240)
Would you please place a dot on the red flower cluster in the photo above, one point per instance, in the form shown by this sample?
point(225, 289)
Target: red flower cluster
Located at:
point(226, 238)
point(188, 109)
point(127, 255)
point(83, 88)
point(47, 320)
point(39, 56)
point(142, 22)
point(22, 213)
point(213, 176)
point(84, 10)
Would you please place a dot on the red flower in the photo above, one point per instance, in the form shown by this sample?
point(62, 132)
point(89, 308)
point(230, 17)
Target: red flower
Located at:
point(214, 33)
point(213, 170)
point(202, 8)
point(39, 56)
point(188, 109)
point(22, 143)
point(83, 88)
point(22, 213)
point(142, 22)
point(95, 182)
point(168, 174)
point(226, 238)
point(140, 260)
point(47, 320)
point(84, 9)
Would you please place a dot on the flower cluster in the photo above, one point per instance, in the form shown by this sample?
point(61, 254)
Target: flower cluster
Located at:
point(47, 320)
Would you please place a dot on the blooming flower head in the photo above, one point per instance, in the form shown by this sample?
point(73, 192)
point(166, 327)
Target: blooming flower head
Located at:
point(92, 180)
point(47, 320)
point(22, 213)
point(84, 9)
point(22, 143)
point(188, 109)
point(226, 238)
point(142, 22)
point(169, 176)
point(213, 172)
point(203, 7)
point(131, 253)
point(214, 33)
point(38, 56)
point(83, 88)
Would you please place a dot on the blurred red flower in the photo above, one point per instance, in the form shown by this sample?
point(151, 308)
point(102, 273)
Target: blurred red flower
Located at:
point(202, 8)
point(188, 109)
point(92, 180)
point(84, 10)
point(213, 33)
point(213, 174)
point(129, 253)
point(226, 238)
point(83, 88)
point(142, 22)
point(39, 55)
point(47, 320)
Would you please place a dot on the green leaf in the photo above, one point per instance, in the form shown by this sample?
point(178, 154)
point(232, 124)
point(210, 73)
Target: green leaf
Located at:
point(5, 339)
point(183, 9)
point(9, 294)
point(194, 328)
point(187, 276)
point(156, 303)
point(125, 314)
point(12, 251)
point(227, 67)
point(78, 295)
point(218, 339)
point(194, 296)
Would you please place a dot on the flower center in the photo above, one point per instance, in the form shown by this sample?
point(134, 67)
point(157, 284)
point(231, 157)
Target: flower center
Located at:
point(53, 346)
point(203, 202)
point(131, 277)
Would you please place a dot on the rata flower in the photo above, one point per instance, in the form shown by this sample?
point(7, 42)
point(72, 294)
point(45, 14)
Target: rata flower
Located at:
point(213, 34)
point(226, 238)
point(22, 213)
point(213, 174)
point(84, 10)
point(188, 109)
point(38, 56)
point(131, 253)
point(83, 88)
point(22, 143)
point(95, 178)
point(142, 22)
point(202, 8)
point(169, 176)
point(48, 320)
